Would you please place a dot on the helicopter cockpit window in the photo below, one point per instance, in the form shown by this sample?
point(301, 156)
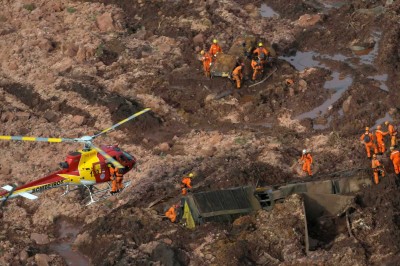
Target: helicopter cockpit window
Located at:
point(127, 156)
point(123, 159)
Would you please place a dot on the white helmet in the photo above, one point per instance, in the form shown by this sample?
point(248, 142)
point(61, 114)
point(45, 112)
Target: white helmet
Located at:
point(304, 151)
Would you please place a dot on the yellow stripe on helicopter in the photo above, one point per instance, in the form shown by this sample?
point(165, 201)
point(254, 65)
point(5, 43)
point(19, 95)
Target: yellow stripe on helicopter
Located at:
point(25, 138)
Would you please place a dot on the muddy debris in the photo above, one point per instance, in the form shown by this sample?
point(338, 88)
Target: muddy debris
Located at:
point(75, 68)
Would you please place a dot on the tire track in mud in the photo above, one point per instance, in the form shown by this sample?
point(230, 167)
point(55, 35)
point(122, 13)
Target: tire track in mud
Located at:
point(35, 102)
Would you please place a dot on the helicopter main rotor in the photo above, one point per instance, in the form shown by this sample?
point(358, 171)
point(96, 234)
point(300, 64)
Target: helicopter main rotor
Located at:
point(86, 140)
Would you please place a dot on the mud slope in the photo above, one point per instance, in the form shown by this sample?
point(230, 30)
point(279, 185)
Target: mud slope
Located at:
point(73, 68)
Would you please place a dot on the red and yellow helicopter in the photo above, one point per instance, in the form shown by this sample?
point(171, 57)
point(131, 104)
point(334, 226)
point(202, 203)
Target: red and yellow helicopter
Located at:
point(86, 167)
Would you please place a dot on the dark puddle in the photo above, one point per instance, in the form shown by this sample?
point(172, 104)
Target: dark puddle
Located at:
point(67, 233)
point(381, 79)
point(332, 3)
point(340, 85)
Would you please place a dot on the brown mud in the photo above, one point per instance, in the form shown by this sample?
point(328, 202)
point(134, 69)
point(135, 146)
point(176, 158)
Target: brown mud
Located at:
point(252, 137)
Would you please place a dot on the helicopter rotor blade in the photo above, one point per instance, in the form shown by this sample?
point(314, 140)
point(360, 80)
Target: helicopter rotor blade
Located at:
point(121, 122)
point(26, 138)
point(108, 157)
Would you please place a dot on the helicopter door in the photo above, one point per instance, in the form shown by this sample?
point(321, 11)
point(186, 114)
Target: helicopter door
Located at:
point(99, 172)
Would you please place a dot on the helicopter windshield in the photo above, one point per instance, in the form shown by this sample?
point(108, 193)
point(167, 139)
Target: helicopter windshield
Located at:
point(126, 157)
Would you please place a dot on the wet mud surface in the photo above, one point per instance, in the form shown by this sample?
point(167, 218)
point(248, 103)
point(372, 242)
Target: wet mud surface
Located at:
point(345, 73)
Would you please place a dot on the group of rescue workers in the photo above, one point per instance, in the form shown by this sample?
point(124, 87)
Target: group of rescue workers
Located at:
point(175, 211)
point(258, 61)
point(375, 144)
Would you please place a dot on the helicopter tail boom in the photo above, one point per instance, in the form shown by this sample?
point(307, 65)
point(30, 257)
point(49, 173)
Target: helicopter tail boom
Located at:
point(11, 194)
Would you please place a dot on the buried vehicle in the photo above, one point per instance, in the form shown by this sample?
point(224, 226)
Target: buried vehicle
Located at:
point(240, 51)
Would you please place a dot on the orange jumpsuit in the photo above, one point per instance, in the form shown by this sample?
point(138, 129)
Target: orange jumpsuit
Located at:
point(206, 58)
point(185, 185)
point(393, 135)
point(307, 161)
point(215, 49)
point(262, 53)
point(171, 214)
point(257, 68)
point(237, 76)
point(116, 178)
point(379, 140)
point(377, 168)
point(370, 144)
point(395, 157)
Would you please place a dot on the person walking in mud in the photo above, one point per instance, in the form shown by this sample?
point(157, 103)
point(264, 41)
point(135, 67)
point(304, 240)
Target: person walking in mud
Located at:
point(369, 140)
point(262, 53)
point(377, 168)
point(307, 161)
point(173, 213)
point(207, 60)
point(392, 132)
point(257, 66)
point(237, 75)
point(395, 158)
point(186, 183)
point(379, 134)
point(215, 49)
point(116, 178)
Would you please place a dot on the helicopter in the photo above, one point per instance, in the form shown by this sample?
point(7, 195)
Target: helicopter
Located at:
point(83, 168)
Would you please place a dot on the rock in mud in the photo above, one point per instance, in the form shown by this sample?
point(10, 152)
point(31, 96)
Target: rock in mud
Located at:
point(346, 105)
point(308, 20)
point(40, 239)
point(42, 259)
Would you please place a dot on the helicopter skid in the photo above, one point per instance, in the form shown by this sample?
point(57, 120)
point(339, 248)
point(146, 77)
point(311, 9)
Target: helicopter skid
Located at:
point(97, 195)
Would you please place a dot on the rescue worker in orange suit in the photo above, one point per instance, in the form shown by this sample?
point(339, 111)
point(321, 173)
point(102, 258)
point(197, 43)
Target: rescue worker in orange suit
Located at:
point(237, 75)
point(261, 53)
point(257, 67)
point(393, 133)
point(307, 160)
point(377, 167)
point(116, 178)
point(172, 213)
point(215, 49)
point(395, 157)
point(186, 183)
point(369, 141)
point(206, 59)
point(379, 134)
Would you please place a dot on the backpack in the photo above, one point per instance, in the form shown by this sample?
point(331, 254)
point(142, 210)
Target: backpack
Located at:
point(367, 138)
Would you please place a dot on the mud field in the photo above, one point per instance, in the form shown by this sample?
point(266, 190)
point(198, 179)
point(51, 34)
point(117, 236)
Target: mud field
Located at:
point(73, 68)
